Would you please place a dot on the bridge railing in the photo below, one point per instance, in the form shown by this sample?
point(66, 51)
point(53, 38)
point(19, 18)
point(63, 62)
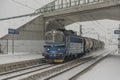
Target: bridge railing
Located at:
point(60, 4)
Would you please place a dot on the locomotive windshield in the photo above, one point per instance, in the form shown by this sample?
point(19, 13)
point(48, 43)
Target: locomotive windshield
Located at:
point(54, 36)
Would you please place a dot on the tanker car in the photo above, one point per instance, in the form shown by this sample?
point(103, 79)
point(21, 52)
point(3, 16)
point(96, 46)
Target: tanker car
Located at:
point(62, 45)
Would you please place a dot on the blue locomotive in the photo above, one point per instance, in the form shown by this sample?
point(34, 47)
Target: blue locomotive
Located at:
point(61, 45)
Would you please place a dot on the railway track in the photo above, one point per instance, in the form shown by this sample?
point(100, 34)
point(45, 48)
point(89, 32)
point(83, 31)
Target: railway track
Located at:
point(13, 74)
point(77, 70)
point(59, 68)
point(76, 76)
point(20, 69)
point(45, 71)
point(62, 72)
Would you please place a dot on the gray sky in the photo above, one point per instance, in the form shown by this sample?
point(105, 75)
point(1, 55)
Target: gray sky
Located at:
point(18, 7)
point(10, 8)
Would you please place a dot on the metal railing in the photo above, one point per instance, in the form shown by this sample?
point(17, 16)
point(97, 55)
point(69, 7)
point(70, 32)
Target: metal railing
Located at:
point(60, 4)
point(57, 4)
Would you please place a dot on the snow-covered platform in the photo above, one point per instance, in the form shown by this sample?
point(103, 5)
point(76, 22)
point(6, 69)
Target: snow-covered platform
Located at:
point(107, 69)
point(12, 62)
point(19, 57)
point(12, 58)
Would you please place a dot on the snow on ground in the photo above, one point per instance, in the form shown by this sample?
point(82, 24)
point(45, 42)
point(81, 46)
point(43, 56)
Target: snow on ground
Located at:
point(107, 69)
point(4, 59)
point(17, 57)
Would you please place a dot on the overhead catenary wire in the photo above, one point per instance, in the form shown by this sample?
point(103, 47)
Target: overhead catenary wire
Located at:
point(23, 4)
point(98, 23)
point(19, 16)
point(95, 22)
point(24, 15)
point(100, 27)
point(37, 2)
point(80, 24)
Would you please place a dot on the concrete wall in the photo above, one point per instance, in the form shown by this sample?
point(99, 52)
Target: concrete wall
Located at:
point(22, 46)
point(29, 40)
point(33, 30)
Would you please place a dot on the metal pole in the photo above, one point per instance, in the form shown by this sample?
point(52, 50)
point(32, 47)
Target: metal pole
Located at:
point(7, 46)
point(105, 39)
point(98, 36)
point(119, 42)
point(78, 2)
point(80, 30)
point(13, 44)
point(69, 3)
point(44, 25)
point(61, 3)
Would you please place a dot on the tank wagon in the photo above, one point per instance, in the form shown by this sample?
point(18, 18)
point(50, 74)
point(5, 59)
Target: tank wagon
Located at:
point(61, 45)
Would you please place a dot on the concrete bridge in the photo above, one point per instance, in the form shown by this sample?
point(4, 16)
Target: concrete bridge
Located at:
point(87, 11)
point(60, 13)
point(66, 12)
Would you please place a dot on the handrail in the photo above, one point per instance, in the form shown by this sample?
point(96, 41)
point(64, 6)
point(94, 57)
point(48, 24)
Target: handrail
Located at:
point(55, 5)
point(60, 4)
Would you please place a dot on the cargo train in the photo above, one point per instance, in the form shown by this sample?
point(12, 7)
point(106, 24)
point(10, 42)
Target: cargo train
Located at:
point(62, 45)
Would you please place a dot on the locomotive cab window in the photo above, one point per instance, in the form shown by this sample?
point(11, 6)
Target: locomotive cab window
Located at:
point(49, 37)
point(55, 36)
point(59, 37)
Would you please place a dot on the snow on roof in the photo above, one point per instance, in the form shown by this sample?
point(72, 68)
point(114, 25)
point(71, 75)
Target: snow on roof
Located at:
point(14, 24)
point(9, 8)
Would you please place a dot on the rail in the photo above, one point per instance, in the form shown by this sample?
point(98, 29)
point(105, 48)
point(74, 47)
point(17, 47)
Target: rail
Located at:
point(88, 64)
point(24, 71)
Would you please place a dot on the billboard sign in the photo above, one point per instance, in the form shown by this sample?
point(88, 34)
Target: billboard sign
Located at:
point(118, 38)
point(116, 31)
point(13, 31)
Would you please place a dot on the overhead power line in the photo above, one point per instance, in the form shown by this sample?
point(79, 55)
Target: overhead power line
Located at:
point(19, 16)
point(25, 15)
point(37, 2)
point(101, 25)
point(23, 5)
point(97, 23)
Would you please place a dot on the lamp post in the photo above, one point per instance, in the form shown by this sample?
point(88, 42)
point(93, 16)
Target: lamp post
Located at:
point(119, 42)
point(13, 32)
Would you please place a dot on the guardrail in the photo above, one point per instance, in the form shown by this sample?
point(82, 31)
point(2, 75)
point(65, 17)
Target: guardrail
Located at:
point(60, 4)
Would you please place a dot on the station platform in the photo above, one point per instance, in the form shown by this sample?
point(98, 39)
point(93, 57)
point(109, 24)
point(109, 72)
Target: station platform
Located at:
point(12, 58)
point(19, 57)
point(15, 61)
point(11, 62)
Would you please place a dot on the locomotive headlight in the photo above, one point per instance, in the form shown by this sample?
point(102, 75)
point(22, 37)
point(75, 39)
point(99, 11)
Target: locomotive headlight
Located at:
point(58, 49)
point(48, 49)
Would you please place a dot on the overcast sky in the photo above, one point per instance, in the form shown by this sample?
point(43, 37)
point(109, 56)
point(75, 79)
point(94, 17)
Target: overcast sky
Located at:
point(18, 7)
point(10, 8)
